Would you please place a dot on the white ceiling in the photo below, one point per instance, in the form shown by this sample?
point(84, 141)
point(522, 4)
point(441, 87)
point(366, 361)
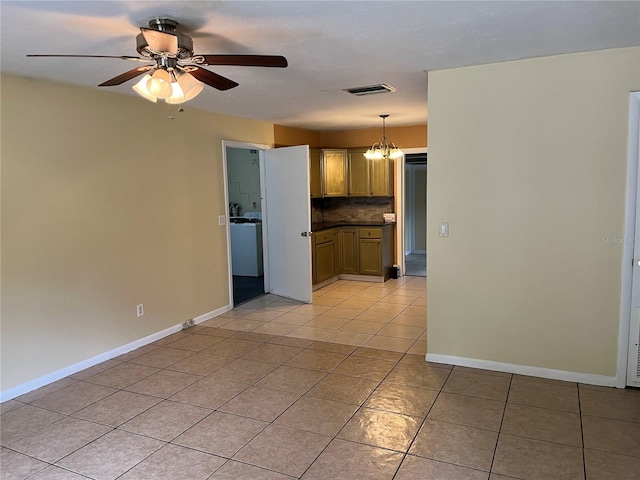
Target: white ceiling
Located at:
point(330, 45)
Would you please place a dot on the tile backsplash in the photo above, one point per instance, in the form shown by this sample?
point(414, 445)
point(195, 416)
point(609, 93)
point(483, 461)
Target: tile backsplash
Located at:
point(350, 209)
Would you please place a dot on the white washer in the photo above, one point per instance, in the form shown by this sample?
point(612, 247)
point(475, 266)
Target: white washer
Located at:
point(246, 249)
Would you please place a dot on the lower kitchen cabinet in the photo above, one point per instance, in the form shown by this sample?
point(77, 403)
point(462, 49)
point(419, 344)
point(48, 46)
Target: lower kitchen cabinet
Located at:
point(326, 255)
point(370, 256)
point(375, 251)
point(348, 251)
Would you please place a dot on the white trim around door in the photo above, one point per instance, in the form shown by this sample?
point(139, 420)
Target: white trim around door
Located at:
point(629, 241)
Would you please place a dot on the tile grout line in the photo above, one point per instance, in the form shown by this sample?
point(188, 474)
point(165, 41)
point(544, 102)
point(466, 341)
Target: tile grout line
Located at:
point(422, 424)
point(584, 457)
point(504, 412)
point(354, 413)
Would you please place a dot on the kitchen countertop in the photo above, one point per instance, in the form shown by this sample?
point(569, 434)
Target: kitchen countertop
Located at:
point(319, 226)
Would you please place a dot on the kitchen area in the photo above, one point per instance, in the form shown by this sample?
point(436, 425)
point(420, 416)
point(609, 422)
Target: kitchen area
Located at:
point(353, 202)
point(352, 216)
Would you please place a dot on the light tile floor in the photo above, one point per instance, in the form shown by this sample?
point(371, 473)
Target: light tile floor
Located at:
point(221, 402)
point(415, 264)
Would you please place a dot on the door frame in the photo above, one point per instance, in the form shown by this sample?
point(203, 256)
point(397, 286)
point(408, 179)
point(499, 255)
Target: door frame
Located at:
point(400, 186)
point(265, 241)
point(629, 239)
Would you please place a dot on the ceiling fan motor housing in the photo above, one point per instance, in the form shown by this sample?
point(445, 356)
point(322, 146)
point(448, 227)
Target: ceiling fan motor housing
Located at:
point(185, 43)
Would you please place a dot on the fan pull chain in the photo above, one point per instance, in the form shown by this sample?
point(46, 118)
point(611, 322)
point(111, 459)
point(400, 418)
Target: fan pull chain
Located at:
point(180, 109)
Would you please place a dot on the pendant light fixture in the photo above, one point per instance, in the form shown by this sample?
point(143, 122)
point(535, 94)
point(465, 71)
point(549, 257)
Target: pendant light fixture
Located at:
point(383, 149)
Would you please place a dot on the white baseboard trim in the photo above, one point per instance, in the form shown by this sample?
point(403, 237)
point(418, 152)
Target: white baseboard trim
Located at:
point(214, 313)
point(77, 367)
point(588, 378)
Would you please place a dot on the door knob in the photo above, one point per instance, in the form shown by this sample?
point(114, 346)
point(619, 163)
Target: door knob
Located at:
point(305, 234)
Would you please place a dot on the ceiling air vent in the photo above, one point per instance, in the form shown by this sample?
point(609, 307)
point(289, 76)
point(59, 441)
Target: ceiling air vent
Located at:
point(370, 89)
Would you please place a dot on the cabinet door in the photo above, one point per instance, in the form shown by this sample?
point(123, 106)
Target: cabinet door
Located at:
point(349, 250)
point(358, 174)
point(370, 256)
point(315, 172)
point(324, 261)
point(381, 177)
point(334, 163)
point(337, 252)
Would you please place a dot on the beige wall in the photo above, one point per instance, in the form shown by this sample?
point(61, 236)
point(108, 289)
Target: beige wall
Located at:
point(405, 137)
point(288, 136)
point(527, 163)
point(106, 204)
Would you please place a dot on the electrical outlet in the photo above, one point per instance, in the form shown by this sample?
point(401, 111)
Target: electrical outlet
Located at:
point(140, 309)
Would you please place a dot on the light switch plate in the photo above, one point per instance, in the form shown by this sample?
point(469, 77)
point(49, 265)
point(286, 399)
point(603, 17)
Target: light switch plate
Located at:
point(444, 229)
point(222, 219)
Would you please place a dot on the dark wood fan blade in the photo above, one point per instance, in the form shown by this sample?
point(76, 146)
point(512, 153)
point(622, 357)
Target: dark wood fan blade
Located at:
point(121, 57)
point(126, 76)
point(212, 79)
point(160, 41)
point(246, 60)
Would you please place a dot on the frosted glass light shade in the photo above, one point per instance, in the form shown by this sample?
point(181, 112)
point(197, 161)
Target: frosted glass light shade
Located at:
point(177, 95)
point(374, 154)
point(160, 84)
point(190, 86)
point(186, 88)
point(141, 89)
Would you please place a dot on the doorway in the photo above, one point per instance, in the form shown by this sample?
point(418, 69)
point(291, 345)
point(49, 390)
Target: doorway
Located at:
point(629, 336)
point(415, 214)
point(245, 223)
point(285, 211)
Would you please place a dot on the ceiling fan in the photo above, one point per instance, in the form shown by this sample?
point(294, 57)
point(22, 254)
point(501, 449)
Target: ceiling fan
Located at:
point(173, 73)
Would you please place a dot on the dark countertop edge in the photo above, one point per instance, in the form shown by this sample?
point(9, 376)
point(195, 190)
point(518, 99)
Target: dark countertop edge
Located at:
point(318, 227)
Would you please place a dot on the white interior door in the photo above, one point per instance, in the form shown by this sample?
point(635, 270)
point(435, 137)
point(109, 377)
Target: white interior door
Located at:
point(288, 221)
point(633, 372)
point(632, 247)
point(633, 365)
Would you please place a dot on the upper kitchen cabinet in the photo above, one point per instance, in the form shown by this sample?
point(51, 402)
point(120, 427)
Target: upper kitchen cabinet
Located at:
point(369, 178)
point(334, 173)
point(381, 177)
point(315, 172)
point(359, 185)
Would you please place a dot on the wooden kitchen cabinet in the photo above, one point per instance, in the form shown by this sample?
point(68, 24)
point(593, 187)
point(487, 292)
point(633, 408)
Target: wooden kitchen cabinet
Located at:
point(334, 173)
point(315, 172)
point(369, 178)
point(359, 185)
point(370, 251)
point(381, 177)
point(337, 252)
point(327, 255)
point(352, 251)
point(375, 251)
point(349, 250)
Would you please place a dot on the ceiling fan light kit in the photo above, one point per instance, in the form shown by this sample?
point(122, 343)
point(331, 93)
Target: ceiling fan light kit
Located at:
point(176, 75)
point(383, 149)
